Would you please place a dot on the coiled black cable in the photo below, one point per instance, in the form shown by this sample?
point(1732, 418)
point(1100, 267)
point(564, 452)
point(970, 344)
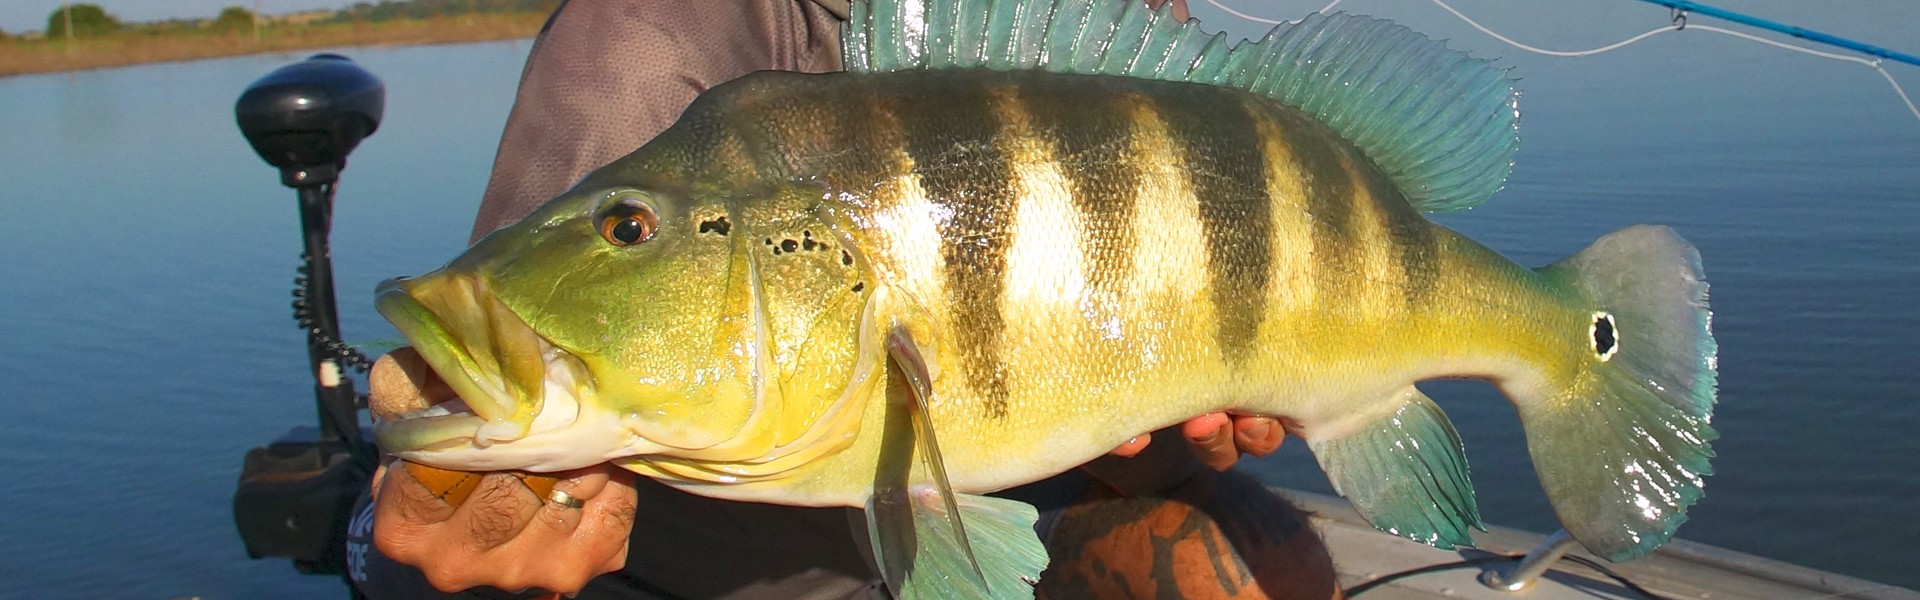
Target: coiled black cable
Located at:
point(303, 315)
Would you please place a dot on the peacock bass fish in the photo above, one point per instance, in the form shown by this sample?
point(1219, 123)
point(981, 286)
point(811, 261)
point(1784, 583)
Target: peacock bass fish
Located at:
point(1014, 235)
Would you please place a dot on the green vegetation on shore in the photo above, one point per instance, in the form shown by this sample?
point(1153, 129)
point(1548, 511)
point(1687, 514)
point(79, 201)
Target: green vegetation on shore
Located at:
point(100, 40)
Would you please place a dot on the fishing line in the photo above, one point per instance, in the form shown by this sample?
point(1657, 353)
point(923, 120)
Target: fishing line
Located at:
point(1678, 25)
point(1874, 64)
point(1231, 11)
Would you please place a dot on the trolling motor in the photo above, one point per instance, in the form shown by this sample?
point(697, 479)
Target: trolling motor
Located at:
point(296, 493)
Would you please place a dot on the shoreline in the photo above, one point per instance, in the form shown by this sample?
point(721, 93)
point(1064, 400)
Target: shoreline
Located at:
point(32, 57)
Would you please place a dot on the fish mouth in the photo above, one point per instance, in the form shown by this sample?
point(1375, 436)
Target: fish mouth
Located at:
point(511, 382)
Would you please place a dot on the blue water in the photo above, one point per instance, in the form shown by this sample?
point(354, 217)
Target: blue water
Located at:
point(146, 256)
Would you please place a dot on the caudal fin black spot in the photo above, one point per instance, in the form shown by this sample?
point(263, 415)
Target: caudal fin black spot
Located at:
point(1604, 341)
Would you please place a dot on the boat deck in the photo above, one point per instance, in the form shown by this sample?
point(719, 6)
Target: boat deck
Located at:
point(1680, 569)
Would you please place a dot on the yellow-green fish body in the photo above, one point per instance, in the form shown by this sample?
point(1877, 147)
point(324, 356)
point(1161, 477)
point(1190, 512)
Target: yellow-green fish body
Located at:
point(1071, 285)
point(1069, 257)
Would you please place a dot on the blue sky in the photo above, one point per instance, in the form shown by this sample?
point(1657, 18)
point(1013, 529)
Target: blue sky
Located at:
point(18, 16)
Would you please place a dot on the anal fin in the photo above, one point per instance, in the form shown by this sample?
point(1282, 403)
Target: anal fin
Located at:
point(920, 527)
point(1406, 473)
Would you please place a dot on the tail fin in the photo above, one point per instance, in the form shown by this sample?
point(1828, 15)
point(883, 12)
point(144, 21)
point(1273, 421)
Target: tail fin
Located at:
point(1622, 448)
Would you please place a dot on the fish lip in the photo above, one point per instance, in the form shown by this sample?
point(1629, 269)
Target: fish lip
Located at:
point(480, 378)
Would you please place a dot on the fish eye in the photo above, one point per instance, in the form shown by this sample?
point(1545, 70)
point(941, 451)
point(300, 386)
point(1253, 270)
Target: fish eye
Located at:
point(628, 221)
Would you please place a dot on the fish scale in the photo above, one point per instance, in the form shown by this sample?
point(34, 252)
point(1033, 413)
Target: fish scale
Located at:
point(1227, 191)
point(1048, 360)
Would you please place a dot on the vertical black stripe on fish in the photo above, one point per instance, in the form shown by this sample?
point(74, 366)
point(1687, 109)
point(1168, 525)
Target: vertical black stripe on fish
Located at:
point(682, 152)
point(1329, 203)
point(1408, 231)
point(865, 139)
point(833, 133)
point(1090, 135)
point(951, 130)
point(747, 144)
point(741, 148)
point(1221, 151)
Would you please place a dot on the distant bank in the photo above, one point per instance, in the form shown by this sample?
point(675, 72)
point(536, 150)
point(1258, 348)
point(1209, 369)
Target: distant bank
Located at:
point(23, 56)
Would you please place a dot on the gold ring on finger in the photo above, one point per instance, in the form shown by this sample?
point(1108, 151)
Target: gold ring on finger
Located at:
point(564, 500)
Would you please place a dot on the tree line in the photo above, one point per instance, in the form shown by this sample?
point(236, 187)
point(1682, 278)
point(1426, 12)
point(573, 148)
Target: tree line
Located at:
point(91, 20)
point(426, 9)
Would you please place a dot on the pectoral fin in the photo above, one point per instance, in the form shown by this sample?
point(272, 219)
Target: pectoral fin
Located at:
point(919, 526)
point(1406, 473)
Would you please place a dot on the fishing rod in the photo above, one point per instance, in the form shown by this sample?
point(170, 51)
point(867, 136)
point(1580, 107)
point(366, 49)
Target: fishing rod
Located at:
point(1810, 35)
point(1681, 9)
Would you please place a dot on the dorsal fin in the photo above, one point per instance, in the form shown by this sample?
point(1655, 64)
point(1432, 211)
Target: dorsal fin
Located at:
point(1442, 125)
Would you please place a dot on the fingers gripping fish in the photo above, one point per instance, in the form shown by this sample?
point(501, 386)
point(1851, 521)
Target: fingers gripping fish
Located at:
point(1013, 235)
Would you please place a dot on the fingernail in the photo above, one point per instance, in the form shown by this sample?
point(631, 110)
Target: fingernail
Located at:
point(1259, 429)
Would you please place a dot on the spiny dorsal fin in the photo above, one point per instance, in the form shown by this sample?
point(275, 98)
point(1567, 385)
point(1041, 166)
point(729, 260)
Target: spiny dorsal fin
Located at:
point(1442, 125)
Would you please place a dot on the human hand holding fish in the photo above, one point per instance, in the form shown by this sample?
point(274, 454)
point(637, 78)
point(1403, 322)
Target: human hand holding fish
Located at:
point(510, 530)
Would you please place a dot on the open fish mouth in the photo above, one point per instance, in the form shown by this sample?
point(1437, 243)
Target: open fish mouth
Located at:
point(512, 383)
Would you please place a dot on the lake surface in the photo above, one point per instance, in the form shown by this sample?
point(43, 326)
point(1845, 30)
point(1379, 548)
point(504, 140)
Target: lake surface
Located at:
point(146, 257)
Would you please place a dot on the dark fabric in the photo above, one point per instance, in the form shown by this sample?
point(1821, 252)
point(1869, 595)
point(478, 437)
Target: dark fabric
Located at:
point(697, 547)
point(607, 75)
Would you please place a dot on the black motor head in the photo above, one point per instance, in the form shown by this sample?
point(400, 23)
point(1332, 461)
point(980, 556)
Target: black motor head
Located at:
point(307, 116)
